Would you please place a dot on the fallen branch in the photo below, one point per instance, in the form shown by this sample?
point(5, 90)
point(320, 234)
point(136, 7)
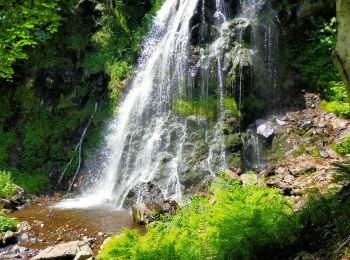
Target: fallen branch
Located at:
point(77, 148)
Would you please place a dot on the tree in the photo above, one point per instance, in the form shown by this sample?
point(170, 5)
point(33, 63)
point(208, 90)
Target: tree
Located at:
point(341, 54)
point(22, 24)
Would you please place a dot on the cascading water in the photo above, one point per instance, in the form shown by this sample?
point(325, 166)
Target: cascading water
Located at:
point(166, 130)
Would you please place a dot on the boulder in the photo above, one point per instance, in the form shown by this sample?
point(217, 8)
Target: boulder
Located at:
point(70, 250)
point(249, 179)
point(142, 213)
point(265, 130)
point(144, 191)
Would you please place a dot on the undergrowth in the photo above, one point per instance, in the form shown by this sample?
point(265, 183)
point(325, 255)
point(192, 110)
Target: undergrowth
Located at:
point(7, 187)
point(238, 222)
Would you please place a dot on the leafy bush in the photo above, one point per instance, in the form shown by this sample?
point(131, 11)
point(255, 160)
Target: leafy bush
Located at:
point(7, 187)
point(339, 108)
point(236, 223)
point(7, 224)
point(343, 148)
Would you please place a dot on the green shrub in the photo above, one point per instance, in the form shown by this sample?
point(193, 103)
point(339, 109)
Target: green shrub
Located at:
point(343, 147)
point(7, 187)
point(339, 108)
point(236, 223)
point(7, 224)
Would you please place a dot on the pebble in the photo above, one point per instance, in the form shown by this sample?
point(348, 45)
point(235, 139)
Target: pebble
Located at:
point(100, 234)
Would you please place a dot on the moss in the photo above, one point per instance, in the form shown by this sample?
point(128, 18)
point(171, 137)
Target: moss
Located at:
point(204, 108)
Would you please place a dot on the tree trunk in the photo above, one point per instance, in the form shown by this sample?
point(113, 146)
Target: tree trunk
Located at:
point(341, 54)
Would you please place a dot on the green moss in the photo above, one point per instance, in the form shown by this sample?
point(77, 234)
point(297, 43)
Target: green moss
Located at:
point(204, 108)
point(315, 153)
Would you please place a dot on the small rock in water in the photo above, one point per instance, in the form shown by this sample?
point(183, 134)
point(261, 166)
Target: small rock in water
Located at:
point(38, 223)
point(24, 226)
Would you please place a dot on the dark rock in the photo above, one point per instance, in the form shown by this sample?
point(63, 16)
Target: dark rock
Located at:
point(144, 191)
point(306, 124)
point(7, 204)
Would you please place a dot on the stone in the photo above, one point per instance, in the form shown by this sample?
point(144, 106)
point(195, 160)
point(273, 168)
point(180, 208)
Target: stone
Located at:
point(233, 173)
point(281, 122)
point(306, 124)
point(24, 237)
point(83, 254)
point(324, 154)
point(265, 130)
point(339, 124)
point(249, 179)
point(7, 204)
point(142, 211)
point(38, 223)
point(9, 237)
point(24, 226)
point(68, 250)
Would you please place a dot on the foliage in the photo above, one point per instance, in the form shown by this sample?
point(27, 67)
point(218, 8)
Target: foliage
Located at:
point(24, 24)
point(325, 217)
point(343, 147)
point(7, 187)
point(7, 224)
point(236, 223)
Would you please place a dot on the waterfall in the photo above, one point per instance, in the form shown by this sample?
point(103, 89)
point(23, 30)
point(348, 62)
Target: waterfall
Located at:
point(166, 119)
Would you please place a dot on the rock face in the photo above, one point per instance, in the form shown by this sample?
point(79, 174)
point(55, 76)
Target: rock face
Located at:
point(75, 250)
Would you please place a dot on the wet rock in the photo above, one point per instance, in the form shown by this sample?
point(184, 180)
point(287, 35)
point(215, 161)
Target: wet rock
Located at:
point(9, 238)
point(265, 130)
point(38, 223)
point(144, 191)
point(7, 204)
point(306, 124)
point(68, 250)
